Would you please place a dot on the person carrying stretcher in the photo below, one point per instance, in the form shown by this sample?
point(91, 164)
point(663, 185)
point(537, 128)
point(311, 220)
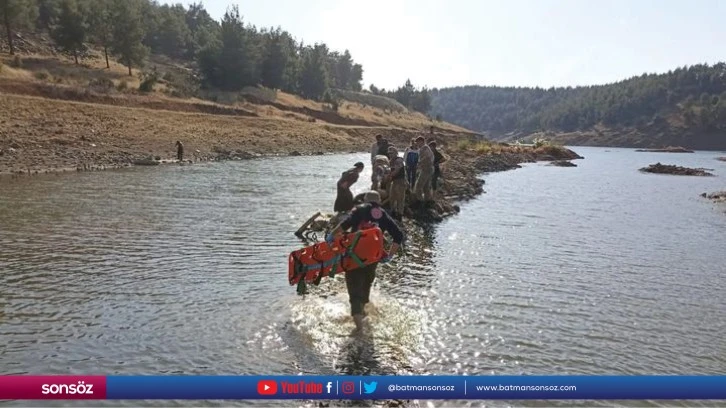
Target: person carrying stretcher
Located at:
point(359, 281)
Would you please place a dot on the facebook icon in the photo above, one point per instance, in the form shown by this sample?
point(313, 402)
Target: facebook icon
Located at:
point(329, 386)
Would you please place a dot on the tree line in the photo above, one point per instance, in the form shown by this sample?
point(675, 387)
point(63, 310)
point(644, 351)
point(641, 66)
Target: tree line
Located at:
point(697, 94)
point(229, 54)
point(417, 99)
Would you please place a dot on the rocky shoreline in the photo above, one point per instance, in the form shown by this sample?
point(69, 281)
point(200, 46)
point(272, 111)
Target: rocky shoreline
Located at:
point(460, 181)
point(461, 176)
point(659, 168)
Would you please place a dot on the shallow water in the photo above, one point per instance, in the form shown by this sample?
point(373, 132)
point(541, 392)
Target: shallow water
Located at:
point(598, 269)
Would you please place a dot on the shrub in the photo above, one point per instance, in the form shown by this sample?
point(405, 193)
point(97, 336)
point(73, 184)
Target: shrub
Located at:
point(122, 86)
point(148, 80)
point(463, 144)
point(260, 93)
point(42, 75)
point(103, 85)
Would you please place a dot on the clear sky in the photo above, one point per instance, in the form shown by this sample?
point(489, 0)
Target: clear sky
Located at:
point(543, 43)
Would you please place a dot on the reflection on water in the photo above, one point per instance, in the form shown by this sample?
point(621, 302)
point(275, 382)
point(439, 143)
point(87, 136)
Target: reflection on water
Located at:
point(597, 269)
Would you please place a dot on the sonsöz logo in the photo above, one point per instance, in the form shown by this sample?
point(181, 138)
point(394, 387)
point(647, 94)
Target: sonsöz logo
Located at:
point(68, 389)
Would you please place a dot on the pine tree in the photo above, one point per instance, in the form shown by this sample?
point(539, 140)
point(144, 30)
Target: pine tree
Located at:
point(100, 20)
point(48, 11)
point(276, 58)
point(314, 74)
point(128, 34)
point(16, 14)
point(70, 32)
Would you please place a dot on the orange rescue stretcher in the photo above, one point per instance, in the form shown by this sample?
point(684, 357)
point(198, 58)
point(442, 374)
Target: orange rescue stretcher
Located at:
point(348, 251)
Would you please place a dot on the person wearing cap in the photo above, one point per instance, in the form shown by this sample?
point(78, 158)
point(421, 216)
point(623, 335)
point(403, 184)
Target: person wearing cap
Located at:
point(374, 149)
point(359, 281)
point(344, 199)
point(396, 184)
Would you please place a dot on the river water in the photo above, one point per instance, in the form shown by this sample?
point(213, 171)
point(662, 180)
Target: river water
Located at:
point(598, 269)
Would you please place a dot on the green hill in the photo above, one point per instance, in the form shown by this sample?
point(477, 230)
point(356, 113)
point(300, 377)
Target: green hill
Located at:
point(684, 107)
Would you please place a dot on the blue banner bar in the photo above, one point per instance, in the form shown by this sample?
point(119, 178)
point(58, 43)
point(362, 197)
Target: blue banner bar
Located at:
point(417, 387)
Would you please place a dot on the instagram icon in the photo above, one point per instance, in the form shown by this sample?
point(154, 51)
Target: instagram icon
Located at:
point(348, 387)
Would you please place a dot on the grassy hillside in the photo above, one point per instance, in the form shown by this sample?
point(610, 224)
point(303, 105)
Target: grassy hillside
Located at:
point(60, 115)
point(686, 107)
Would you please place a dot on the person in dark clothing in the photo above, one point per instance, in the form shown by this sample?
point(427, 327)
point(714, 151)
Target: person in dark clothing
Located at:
point(359, 281)
point(383, 147)
point(179, 150)
point(438, 159)
point(410, 156)
point(344, 200)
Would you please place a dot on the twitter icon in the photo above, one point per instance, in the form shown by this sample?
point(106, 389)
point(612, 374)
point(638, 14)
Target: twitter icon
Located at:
point(369, 388)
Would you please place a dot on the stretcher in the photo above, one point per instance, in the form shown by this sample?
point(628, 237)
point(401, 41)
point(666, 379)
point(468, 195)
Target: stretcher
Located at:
point(349, 251)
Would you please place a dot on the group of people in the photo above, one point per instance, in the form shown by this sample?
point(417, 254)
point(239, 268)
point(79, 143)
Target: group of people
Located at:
point(393, 176)
point(416, 173)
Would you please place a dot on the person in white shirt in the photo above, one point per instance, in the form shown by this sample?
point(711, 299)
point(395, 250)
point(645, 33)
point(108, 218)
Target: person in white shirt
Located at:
point(425, 169)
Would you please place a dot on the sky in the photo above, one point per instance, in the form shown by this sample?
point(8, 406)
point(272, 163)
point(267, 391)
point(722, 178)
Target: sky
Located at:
point(442, 43)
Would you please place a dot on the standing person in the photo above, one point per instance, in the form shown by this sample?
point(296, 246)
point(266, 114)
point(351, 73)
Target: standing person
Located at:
point(383, 147)
point(379, 172)
point(374, 149)
point(179, 150)
point(438, 159)
point(359, 281)
point(344, 199)
point(425, 169)
point(397, 184)
point(410, 156)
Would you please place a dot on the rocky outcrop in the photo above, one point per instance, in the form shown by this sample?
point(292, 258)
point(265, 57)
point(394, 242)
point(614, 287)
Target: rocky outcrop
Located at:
point(718, 196)
point(563, 163)
point(669, 149)
point(723, 159)
point(675, 170)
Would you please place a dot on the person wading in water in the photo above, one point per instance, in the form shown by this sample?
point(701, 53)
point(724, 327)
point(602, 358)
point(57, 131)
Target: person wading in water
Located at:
point(359, 281)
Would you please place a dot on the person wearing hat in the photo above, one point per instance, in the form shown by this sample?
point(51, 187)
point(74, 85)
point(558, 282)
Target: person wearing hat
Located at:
point(344, 198)
point(397, 184)
point(359, 281)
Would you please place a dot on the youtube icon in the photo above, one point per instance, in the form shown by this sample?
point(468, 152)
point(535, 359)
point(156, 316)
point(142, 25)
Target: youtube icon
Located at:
point(266, 387)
